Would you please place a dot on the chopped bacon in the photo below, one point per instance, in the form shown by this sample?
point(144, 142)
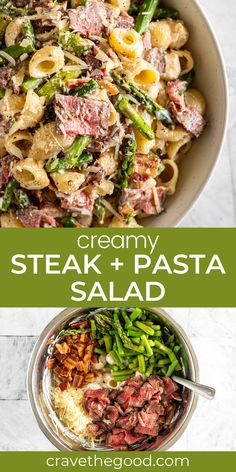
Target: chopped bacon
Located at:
point(32, 217)
point(144, 167)
point(69, 364)
point(83, 116)
point(187, 116)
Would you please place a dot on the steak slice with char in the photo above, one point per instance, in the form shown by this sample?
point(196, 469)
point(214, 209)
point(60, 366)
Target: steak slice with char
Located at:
point(81, 116)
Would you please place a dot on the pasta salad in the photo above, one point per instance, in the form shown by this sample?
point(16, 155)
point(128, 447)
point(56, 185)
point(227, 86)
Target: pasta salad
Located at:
point(96, 111)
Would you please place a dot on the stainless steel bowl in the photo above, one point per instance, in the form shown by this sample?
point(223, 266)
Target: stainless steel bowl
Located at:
point(39, 382)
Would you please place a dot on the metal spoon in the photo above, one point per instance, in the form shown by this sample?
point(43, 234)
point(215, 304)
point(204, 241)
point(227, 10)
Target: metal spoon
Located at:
point(203, 390)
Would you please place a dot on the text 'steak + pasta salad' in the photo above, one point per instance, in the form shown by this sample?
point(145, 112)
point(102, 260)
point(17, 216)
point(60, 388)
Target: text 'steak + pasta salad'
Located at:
point(96, 110)
point(111, 380)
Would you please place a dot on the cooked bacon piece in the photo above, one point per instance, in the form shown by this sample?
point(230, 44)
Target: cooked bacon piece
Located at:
point(89, 20)
point(124, 21)
point(72, 357)
point(187, 116)
point(80, 115)
point(144, 167)
point(157, 57)
point(32, 217)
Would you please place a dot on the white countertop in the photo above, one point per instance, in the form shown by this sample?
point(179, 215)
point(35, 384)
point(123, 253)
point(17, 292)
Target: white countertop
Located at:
point(212, 333)
point(217, 205)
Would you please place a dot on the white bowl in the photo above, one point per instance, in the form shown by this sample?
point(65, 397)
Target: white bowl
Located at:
point(198, 165)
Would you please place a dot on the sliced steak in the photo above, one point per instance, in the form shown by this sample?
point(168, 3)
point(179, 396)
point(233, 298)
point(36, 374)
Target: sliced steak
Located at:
point(124, 21)
point(79, 202)
point(6, 163)
point(135, 201)
point(81, 116)
point(147, 42)
point(132, 437)
point(124, 396)
point(89, 20)
point(112, 414)
point(128, 422)
point(175, 91)
point(157, 57)
point(169, 386)
point(32, 217)
point(190, 119)
point(5, 76)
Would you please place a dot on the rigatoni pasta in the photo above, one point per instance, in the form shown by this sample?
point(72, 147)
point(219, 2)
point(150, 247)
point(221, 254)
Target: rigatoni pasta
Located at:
point(97, 109)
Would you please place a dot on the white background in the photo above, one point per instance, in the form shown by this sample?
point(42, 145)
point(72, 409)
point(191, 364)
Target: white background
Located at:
point(212, 332)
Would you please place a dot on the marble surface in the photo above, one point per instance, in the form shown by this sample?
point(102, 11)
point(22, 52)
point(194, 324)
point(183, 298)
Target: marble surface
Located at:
point(217, 205)
point(212, 333)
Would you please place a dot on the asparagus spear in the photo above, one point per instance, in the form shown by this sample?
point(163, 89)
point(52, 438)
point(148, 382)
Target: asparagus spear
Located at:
point(8, 194)
point(60, 164)
point(187, 78)
point(127, 162)
point(146, 12)
point(163, 13)
point(124, 106)
point(99, 210)
point(26, 46)
point(2, 93)
point(56, 84)
point(69, 222)
point(14, 11)
point(74, 42)
point(28, 33)
point(89, 87)
point(4, 21)
point(76, 149)
point(31, 83)
point(152, 107)
point(21, 198)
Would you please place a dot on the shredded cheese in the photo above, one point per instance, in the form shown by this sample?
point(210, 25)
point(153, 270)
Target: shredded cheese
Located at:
point(8, 57)
point(68, 405)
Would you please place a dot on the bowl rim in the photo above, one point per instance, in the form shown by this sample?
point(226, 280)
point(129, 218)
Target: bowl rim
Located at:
point(221, 64)
point(65, 316)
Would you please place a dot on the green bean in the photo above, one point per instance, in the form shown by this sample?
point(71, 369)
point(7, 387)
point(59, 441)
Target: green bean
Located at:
point(152, 107)
point(108, 343)
point(147, 346)
point(136, 313)
point(172, 368)
point(8, 194)
point(100, 351)
point(145, 15)
point(31, 83)
point(144, 328)
point(123, 105)
point(141, 364)
point(76, 149)
point(88, 87)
